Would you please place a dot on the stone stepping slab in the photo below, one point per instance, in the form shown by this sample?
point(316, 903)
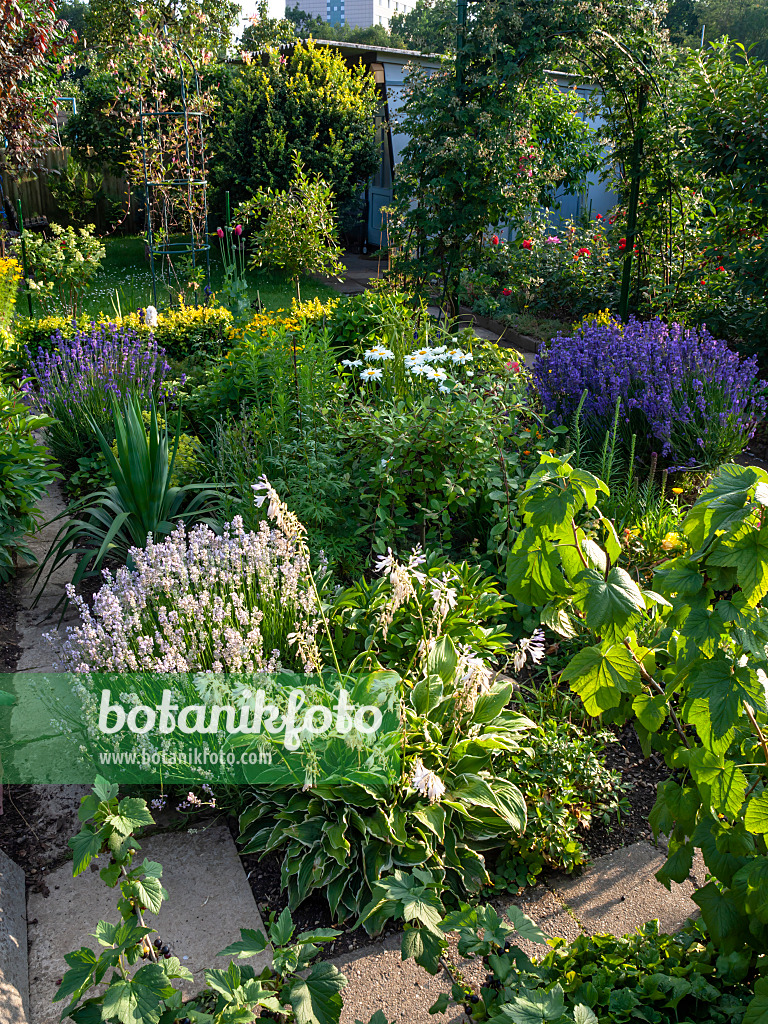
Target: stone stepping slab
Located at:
point(209, 901)
point(14, 980)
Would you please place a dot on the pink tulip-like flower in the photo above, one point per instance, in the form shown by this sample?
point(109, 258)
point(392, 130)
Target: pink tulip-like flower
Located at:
point(238, 229)
point(220, 232)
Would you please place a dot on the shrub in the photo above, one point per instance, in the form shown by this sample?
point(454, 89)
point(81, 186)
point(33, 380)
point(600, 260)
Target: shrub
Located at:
point(25, 476)
point(682, 393)
point(270, 108)
point(202, 331)
point(63, 267)
point(74, 381)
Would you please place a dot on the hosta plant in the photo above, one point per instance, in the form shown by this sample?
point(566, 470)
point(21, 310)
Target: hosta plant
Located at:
point(447, 807)
point(130, 980)
point(686, 662)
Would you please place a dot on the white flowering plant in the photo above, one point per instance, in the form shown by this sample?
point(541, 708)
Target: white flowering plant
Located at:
point(448, 805)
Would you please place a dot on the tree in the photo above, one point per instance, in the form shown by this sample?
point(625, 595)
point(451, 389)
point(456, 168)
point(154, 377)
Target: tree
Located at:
point(298, 230)
point(430, 27)
point(308, 26)
point(471, 127)
point(307, 102)
point(745, 21)
point(197, 24)
point(33, 49)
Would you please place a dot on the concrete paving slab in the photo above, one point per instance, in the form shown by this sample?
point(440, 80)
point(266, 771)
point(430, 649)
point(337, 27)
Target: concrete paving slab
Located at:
point(549, 913)
point(379, 979)
point(14, 974)
point(209, 901)
point(619, 893)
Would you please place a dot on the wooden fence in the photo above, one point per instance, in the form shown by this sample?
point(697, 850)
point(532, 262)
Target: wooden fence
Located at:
point(37, 200)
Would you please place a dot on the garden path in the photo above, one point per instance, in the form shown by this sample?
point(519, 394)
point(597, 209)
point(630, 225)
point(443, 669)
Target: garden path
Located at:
point(617, 894)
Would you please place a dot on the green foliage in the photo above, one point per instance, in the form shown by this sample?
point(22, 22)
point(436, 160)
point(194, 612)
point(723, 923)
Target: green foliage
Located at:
point(147, 994)
point(270, 109)
point(198, 24)
point(686, 661)
point(140, 501)
point(566, 786)
point(63, 268)
point(77, 191)
point(297, 233)
point(602, 979)
point(448, 806)
point(25, 476)
point(430, 26)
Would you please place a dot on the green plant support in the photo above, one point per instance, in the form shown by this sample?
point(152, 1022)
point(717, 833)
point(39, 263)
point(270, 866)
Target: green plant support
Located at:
point(24, 252)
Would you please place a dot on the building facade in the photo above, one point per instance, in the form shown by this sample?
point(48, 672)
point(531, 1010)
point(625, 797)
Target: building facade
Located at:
point(357, 13)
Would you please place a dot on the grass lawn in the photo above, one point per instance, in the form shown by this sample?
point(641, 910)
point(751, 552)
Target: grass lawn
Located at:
point(125, 283)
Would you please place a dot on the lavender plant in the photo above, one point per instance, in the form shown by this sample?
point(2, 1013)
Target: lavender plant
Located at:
point(73, 383)
point(682, 393)
point(197, 601)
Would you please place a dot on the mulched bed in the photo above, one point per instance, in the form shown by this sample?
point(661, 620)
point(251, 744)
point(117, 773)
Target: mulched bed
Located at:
point(9, 647)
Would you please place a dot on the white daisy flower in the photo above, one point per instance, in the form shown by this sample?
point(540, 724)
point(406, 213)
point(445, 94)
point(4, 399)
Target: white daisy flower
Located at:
point(465, 357)
point(369, 373)
point(351, 362)
point(420, 369)
point(378, 353)
point(436, 373)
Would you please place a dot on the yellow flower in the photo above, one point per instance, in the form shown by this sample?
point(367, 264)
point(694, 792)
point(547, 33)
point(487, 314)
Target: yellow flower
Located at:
point(677, 490)
point(672, 542)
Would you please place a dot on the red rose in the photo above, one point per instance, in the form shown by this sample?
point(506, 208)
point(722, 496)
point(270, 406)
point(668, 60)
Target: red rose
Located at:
point(506, 291)
point(495, 240)
point(584, 251)
point(598, 216)
point(514, 366)
point(721, 268)
point(527, 243)
point(623, 244)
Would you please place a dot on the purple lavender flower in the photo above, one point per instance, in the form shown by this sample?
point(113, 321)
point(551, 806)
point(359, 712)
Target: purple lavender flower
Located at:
point(679, 389)
point(75, 379)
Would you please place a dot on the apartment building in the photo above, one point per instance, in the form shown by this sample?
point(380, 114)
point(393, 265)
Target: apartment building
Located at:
point(357, 13)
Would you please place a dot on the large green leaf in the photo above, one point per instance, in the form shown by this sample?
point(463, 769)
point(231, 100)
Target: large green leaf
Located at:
point(723, 919)
point(721, 504)
point(613, 604)
point(85, 846)
point(251, 942)
point(756, 818)
point(424, 946)
point(317, 1000)
point(746, 549)
point(721, 782)
point(525, 926)
point(532, 569)
point(757, 1011)
point(601, 675)
point(535, 1007)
